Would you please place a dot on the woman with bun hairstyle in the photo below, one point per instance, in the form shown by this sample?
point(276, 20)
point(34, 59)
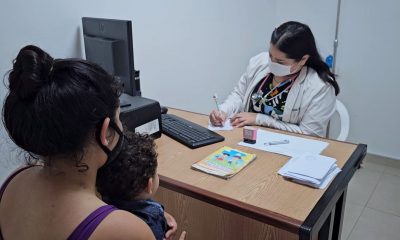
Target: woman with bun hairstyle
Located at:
point(64, 113)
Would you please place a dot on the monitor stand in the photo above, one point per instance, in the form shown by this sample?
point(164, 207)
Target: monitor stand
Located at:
point(124, 101)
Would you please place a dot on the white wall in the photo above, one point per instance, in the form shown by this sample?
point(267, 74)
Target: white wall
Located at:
point(319, 15)
point(184, 45)
point(189, 50)
point(186, 50)
point(367, 58)
point(368, 69)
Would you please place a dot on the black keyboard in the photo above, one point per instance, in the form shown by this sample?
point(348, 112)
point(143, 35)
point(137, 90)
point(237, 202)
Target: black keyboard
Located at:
point(188, 133)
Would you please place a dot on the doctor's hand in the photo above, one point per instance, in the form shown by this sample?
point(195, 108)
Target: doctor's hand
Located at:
point(217, 118)
point(243, 119)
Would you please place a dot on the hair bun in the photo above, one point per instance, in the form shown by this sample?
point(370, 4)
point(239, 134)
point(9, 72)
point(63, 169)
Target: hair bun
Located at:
point(30, 72)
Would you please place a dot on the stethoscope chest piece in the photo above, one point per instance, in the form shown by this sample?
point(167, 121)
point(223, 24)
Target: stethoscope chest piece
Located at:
point(256, 97)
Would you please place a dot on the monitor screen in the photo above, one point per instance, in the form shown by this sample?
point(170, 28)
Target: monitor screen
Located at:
point(108, 42)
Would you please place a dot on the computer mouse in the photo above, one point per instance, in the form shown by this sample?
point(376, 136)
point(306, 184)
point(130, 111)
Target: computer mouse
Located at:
point(164, 110)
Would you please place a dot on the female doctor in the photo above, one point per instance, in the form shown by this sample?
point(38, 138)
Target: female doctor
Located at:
point(289, 88)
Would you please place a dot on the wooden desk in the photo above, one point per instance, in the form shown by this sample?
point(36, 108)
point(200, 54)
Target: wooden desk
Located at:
point(257, 203)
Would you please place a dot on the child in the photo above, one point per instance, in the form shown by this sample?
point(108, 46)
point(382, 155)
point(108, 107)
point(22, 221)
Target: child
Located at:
point(131, 180)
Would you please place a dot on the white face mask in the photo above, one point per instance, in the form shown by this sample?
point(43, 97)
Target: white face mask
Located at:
point(279, 70)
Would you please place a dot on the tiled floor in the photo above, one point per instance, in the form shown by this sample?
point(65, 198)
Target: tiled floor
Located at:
point(373, 201)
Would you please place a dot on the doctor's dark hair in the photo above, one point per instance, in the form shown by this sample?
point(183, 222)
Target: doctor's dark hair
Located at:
point(296, 40)
point(127, 176)
point(54, 106)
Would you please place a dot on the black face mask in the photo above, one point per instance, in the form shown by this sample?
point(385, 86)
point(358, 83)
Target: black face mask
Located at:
point(112, 154)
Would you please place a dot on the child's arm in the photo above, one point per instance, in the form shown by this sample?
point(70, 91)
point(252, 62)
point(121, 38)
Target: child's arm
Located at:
point(173, 226)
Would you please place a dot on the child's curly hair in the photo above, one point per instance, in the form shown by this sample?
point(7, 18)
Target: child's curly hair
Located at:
point(127, 176)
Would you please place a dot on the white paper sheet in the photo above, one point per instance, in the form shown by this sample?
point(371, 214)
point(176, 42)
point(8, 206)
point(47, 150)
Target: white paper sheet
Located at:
point(295, 147)
point(226, 127)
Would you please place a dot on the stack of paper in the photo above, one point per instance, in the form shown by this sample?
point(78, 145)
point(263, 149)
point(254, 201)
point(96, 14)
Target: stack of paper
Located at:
point(310, 169)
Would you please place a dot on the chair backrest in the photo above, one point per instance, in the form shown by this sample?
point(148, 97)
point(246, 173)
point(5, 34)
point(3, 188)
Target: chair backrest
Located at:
point(344, 121)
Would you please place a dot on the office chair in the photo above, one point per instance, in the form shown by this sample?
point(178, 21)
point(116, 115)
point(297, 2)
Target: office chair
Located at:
point(344, 121)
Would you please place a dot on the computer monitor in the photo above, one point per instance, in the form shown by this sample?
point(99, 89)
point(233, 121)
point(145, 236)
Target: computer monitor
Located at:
point(108, 42)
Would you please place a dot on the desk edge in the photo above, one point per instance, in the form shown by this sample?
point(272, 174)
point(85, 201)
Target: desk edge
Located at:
point(262, 215)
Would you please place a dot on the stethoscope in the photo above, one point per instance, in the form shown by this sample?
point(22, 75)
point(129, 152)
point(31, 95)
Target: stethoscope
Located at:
point(258, 96)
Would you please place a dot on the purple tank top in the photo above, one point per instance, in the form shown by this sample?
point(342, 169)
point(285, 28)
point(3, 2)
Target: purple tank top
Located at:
point(85, 228)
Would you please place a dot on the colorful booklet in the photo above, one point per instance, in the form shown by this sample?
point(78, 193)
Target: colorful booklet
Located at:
point(225, 162)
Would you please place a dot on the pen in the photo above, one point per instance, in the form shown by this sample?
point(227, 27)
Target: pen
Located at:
point(215, 97)
point(277, 142)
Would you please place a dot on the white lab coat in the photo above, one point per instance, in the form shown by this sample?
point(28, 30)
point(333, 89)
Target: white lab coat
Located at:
point(310, 104)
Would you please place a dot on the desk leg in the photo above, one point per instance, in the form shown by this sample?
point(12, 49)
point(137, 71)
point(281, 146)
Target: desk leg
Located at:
point(332, 228)
point(326, 230)
point(339, 214)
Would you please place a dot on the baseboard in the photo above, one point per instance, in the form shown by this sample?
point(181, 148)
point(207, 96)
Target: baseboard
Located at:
point(379, 159)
